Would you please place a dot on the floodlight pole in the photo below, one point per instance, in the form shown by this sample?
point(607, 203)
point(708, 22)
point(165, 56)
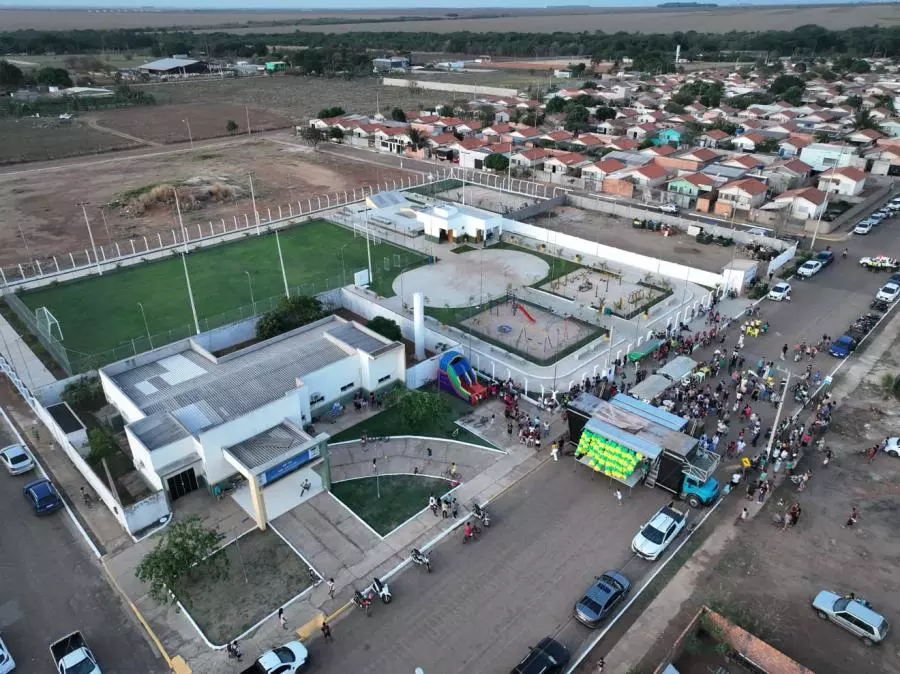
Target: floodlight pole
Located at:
point(368, 246)
point(187, 279)
point(253, 201)
point(91, 236)
point(343, 274)
point(190, 135)
point(180, 221)
point(146, 327)
point(287, 292)
point(250, 282)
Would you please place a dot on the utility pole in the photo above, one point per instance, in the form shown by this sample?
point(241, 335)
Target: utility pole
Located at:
point(187, 279)
point(90, 236)
point(253, 202)
point(287, 292)
point(180, 221)
point(190, 135)
point(247, 112)
point(784, 395)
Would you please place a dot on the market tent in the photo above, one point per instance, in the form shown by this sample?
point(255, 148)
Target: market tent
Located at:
point(644, 350)
point(651, 387)
point(678, 368)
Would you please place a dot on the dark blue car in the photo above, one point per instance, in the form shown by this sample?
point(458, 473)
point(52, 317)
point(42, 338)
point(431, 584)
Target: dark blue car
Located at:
point(842, 347)
point(601, 598)
point(42, 496)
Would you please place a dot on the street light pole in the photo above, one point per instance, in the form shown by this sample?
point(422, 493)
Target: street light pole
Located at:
point(187, 279)
point(253, 202)
point(784, 395)
point(91, 236)
point(146, 327)
point(343, 275)
point(250, 282)
point(190, 135)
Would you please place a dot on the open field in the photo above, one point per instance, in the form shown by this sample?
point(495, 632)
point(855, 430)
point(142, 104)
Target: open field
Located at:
point(99, 313)
point(113, 60)
point(169, 123)
point(547, 20)
point(30, 139)
point(287, 171)
point(295, 97)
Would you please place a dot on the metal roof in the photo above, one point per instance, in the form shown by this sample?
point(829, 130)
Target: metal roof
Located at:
point(168, 64)
point(158, 430)
point(269, 445)
point(357, 339)
point(655, 414)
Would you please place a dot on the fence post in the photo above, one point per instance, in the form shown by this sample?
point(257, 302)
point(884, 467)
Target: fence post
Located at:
point(309, 202)
point(159, 238)
point(290, 210)
point(247, 220)
point(72, 260)
point(38, 263)
point(346, 200)
point(54, 262)
point(133, 251)
point(103, 253)
point(319, 201)
point(21, 272)
point(269, 213)
point(279, 213)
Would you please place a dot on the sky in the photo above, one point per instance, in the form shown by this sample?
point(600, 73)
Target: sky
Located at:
point(365, 4)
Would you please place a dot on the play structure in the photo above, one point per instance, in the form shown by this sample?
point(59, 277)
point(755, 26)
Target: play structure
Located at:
point(456, 375)
point(519, 307)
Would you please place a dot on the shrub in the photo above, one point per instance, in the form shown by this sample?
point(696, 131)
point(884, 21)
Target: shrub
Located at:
point(103, 445)
point(85, 394)
point(385, 327)
point(291, 313)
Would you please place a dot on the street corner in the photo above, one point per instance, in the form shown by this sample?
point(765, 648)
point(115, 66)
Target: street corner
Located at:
point(308, 629)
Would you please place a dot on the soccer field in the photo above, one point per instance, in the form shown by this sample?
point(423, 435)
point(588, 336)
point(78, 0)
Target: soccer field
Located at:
point(101, 314)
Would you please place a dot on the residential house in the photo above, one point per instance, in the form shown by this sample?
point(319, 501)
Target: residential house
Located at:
point(864, 138)
point(652, 117)
point(686, 189)
point(586, 142)
point(659, 150)
point(823, 156)
point(742, 195)
point(525, 134)
point(556, 136)
point(880, 114)
point(802, 203)
point(392, 139)
point(641, 131)
point(670, 136)
point(609, 127)
point(471, 152)
point(501, 116)
point(568, 163)
point(497, 130)
point(742, 161)
point(891, 127)
point(468, 127)
point(623, 144)
point(600, 169)
point(531, 159)
point(649, 175)
point(793, 145)
point(748, 141)
point(701, 155)
point(713, 138)
point(848, 181)
point(788, 174)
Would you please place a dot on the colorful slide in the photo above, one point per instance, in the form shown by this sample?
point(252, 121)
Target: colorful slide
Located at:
point(525, 313)
point(456, 375)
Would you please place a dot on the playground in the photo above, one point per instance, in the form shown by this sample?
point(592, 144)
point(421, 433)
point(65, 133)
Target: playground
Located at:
point(530, 331)
point(611, 290)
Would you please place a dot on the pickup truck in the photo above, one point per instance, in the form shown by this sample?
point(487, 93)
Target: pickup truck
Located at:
point(655, 536)
point(71, 655)
point(288, 659)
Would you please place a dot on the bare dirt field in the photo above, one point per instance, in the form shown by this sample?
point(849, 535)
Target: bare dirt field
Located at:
point(527, 20)
point(769, 575)
point(283, 171)
point(169, 123)
point(30, 139)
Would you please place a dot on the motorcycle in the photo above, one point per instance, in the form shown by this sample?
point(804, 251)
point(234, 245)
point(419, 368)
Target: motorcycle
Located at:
point(472, 533)
point(382, 590)
point(482, 514)
point(420, 558)
point(363, 601)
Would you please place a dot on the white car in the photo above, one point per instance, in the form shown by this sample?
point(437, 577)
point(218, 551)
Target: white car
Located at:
point(892, 447)
point(669, 208)
point(893, 206)
point(810, 268)
point(7, 664)
point(863, 228)
point(655, 536)
point(16, 459)
point(879, 262)
point(888, 293)
point(877, 217)
point(780, 292)
point(288, 659)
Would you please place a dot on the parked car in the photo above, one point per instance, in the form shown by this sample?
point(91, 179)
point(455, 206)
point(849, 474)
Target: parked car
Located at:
point(42, 496)
point(862, 228)
point(7, 664)
point(809, 268)
point(892, 447)
point(843, 346)
point(290, 658)
point(879, 262)
point(16, 459)
point(780, 292)
point(854, 615)
point(655, 536)
point(547, 657)
point(826, 257)
point(669, 208)
point(888, 292)
point(72, 655)
point(876, 218)
point(601, 598)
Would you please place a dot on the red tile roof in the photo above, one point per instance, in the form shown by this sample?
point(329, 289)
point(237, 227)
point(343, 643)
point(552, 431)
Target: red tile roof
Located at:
point(811, 194)
point(850, 172)
point(651, 171)
point(747, 185)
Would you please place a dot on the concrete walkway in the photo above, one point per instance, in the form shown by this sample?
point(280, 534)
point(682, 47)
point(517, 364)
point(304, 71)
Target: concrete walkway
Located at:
point(28, 366)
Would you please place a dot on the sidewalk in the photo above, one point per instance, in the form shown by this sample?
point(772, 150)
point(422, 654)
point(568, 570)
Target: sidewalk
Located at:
point(28, 366)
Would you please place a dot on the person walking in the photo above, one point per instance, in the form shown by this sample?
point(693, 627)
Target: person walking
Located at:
point(326, 631)
point(784, 350)
point(304, 486)
point(282, 619)
point(330, 584)
point(618, 497)
point(433, 504)
point(853, 519)
point(554, 451)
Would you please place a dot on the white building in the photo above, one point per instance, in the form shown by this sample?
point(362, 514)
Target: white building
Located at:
point(848, 181)
point(447, 222)
point(194, 418)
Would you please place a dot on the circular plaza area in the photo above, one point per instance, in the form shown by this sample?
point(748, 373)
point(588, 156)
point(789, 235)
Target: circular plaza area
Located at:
point(459, 279)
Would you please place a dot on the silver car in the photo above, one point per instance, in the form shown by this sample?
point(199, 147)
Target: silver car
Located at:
point(16, 459)
point(854, 615)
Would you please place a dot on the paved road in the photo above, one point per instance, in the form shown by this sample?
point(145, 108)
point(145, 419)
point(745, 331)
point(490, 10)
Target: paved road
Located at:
point(486, 602)
point(51, 585)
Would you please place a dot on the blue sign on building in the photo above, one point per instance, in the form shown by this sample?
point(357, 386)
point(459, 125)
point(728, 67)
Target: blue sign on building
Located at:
point(288, 466)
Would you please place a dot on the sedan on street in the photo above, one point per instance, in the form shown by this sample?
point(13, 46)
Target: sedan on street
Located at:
point(780, 292)
point(601, 598)
point(16, 459)
point(810, 268)
point(863, 228)
point(888, 292)
point(42, 496)
point(854, 615)
point(548, 657)
point(655, 536)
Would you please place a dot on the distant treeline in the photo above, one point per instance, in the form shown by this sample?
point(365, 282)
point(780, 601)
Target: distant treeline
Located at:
point(805, 41)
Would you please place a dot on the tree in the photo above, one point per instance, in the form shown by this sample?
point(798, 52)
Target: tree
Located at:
point(800, 67)
point(183, 546)
point(230, 126)
point(784, 82)
point(385, 327)
point(417, 407)
point(417, 139)
point(85, 394)
point(53, 77)
point(767, 145)
point(398, 115)
point(103, 445)
point(291, 313)
point(576, 118)
point(446, 111)
point(829, 76)
point(863, 120)
point(313, 136)
point(11, 77)
point(860, 66)
point(496, 162)
point(590, 84)
point(260, 49)
point(794, 96)
point(326, 113)
point(555, 105)
point(336, 133)
point(674, 108)
point(603, 113)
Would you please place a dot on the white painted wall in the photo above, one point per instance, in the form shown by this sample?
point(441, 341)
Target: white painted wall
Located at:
point(117, 398)
point(143, 459)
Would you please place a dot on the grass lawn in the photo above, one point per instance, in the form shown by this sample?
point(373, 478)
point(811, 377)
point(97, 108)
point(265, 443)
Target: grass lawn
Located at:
point(389, 422)
point(100, 313)
point(263, 573)
point(402, 496)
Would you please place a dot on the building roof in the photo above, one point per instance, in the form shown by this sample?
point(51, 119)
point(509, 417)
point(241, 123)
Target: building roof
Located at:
point(793, 165)
point(534, 153)
point(651, 171)
point(747, 185)
point(697, 179)
point(557, 135)
point(168, 64)
point(608, 165)
point(700, 154)
point(158, 430)
point(849, 172)
point(270, 445)
point(716, 134)
point(569, 158)
point(660, 150)
point(811, 194)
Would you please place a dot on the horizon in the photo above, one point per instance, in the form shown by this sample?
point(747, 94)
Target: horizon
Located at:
point(356, 5)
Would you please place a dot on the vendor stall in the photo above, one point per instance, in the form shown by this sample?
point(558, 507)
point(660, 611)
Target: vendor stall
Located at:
point(644, 350)
point(652, 387)
point(678, 368)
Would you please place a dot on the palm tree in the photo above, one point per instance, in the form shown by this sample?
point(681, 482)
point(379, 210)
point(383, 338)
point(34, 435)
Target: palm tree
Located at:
point(864, 120)
point(417, 139)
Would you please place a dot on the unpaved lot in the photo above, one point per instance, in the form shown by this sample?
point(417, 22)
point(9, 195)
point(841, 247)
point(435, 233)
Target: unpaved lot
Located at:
point(40, 216)
point(770, 575)
point(30, 139)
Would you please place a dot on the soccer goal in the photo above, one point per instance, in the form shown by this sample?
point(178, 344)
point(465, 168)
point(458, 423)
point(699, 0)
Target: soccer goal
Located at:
point(47, 323)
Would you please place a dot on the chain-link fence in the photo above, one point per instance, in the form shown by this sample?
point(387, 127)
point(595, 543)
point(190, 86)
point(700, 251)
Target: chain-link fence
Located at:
point(42, 331)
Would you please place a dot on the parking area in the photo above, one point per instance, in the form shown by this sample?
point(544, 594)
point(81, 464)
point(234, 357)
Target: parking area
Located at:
point(614, 231)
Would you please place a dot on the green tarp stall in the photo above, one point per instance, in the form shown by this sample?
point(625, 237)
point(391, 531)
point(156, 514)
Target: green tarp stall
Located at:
point(644, 350)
